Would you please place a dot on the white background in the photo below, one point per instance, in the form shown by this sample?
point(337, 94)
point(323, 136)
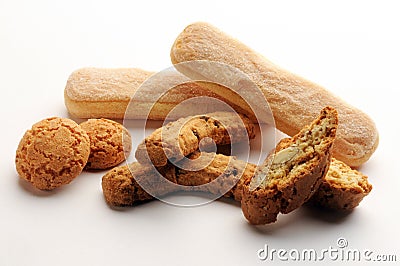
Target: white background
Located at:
point(350, 47)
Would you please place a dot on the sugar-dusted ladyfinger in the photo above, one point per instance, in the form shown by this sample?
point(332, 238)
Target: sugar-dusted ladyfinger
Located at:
point(108, 92)
point(294, 101)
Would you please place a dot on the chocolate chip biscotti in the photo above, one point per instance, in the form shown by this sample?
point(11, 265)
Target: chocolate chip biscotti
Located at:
point(342, 188)
point(182, 137)
point(343, 191)
point(122, 185)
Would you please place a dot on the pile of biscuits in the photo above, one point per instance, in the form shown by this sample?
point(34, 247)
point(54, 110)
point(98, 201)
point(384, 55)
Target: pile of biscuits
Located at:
point(300, 169)
point(56, 150)
point(328, 136)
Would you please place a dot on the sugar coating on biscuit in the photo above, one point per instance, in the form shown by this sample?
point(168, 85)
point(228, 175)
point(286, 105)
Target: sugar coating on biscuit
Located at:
point(110, 143)
point(52, 153)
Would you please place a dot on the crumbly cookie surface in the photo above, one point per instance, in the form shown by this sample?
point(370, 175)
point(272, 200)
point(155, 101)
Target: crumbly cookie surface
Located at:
point(182, 137)
point(292, 173)
point(110, 143)
point(342, 188)
point(52, 153)
point(222, 174)
point(121, 184)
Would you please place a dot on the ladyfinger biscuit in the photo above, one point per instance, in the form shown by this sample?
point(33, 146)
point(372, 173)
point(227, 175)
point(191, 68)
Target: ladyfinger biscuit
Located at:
point(102, 92)
point(182, 137)
point(294, 101)
point(106, 93)
point(342, 188)
point(292, 173)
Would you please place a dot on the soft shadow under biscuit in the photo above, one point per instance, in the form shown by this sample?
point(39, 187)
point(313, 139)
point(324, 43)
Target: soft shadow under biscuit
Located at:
point(326, 215)
point(27, 186)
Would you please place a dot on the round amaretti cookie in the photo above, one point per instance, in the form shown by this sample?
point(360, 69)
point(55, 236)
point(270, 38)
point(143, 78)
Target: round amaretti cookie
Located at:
point(52, 153)
point(110, 143)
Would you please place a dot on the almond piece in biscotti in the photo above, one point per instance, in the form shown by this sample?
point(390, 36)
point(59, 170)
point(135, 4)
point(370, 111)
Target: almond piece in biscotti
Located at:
point(292, 173)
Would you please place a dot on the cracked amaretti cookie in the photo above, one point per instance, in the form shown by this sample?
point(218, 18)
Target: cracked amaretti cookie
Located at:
point(52, 153)
point(110, 143)
point(292, 173)
point(342, 188)
point(182, 137)
point(223, 175)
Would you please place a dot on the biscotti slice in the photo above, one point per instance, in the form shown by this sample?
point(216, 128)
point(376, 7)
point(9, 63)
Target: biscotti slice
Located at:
point(292, 173)
point(121, 187)
point(219, 175)
point(182, 137)
point(342, 188)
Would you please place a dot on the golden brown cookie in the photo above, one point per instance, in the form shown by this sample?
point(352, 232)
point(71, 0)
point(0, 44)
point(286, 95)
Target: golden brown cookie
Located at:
point(110, 143)
point(52, 153)
point(292, 173)
point(120, 186)
point(230, 172)
point(182, 137)
point(342, 188)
